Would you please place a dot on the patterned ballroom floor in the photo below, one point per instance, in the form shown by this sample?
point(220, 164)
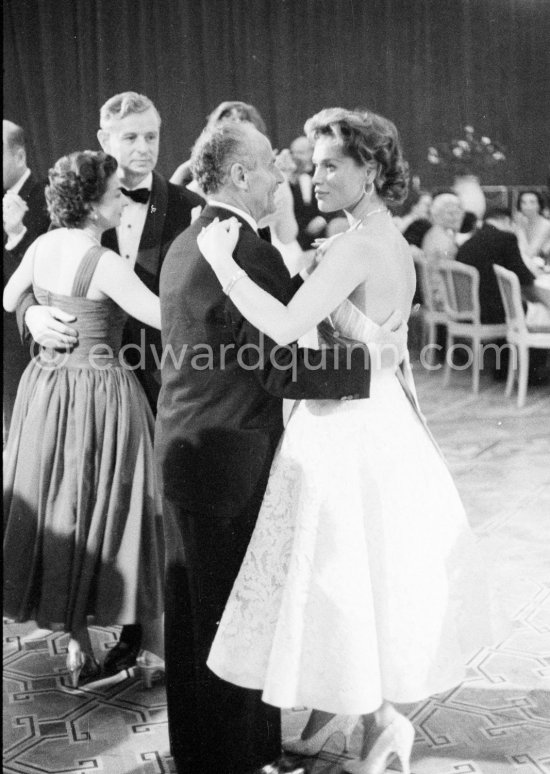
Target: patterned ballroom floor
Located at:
point(496, 722)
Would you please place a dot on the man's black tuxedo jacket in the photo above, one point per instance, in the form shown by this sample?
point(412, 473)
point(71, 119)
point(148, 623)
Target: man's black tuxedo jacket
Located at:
point(37, 222)
point(304, 213)
point(168, 214)
point(218, 426)
point(487, 247)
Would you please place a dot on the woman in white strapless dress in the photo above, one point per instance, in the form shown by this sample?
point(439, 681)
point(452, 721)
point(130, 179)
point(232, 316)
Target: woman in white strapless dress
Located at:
point(362, 585)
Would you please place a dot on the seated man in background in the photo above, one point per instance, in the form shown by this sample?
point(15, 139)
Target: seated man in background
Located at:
point(24, 218)
point(496, 243)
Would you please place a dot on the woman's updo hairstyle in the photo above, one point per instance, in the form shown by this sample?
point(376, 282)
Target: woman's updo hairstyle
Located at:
point(76, 182)
point(366, 137)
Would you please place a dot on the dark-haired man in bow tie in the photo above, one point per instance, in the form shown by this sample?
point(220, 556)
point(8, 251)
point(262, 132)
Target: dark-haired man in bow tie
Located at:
point(157, 211)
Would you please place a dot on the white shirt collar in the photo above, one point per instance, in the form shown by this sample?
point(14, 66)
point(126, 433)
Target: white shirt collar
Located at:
point(20, 183)
point(146, 183)
point(237, 210)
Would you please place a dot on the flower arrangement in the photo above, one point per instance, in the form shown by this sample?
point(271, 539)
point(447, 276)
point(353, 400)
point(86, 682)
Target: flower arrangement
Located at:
point(469, 155)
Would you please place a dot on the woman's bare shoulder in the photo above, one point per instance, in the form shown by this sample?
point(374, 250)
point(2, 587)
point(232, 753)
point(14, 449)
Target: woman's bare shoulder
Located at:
point(350, 242)
point(56, 236)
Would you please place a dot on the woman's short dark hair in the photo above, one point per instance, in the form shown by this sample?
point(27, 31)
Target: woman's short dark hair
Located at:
point(244, 111)
point(76, 182)
point(365, 137)
point(538, 196)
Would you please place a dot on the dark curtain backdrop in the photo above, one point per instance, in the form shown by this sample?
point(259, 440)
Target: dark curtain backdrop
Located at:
point(430, 65)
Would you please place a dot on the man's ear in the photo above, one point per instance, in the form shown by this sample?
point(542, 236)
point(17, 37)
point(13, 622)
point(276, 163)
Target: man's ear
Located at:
point(103, 137)
point(239, 176)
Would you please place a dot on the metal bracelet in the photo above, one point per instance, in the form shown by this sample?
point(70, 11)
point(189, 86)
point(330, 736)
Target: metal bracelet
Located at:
point(234, 279)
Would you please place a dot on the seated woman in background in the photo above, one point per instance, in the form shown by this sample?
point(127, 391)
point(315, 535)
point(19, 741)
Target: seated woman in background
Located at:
point(533, 228)
point(440, 241)
point(82, 517)
point(283, 225)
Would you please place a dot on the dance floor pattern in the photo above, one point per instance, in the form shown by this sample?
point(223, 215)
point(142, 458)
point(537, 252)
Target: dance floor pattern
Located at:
point(496, 722)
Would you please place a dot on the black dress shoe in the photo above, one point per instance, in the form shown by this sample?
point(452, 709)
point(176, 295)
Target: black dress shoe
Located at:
point(281, 766)
point(122, 656)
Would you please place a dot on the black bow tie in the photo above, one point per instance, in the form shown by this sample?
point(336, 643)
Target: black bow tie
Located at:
point(265, 233)
point(140, 195)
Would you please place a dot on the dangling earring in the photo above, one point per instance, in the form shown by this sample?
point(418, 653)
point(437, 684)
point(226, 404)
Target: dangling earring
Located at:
point(94, 216)
point(370, 190)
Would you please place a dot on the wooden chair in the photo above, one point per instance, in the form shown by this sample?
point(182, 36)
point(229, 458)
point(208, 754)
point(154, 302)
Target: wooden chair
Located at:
point(518, 335)
point(461, 300)
point(430, 312)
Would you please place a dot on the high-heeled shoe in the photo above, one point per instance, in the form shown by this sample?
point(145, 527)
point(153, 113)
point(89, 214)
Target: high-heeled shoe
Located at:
point(396, 739)
point(149, 666)
point(82, 668)
point(338, 725)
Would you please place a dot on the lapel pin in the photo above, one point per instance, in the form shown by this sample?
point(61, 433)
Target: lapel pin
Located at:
point(153, 209)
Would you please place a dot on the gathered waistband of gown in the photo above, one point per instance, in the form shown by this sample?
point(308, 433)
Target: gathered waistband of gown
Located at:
point(50, 359)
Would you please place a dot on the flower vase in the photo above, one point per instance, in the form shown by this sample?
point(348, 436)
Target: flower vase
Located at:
point(470, 193)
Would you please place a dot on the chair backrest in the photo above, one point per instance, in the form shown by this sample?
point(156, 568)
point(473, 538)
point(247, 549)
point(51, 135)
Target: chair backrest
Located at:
point(510, 291)
point(423, 276)
point(460, 291)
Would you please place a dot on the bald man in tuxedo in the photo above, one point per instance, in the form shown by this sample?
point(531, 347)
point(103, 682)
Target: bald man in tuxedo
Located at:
point(25, 218)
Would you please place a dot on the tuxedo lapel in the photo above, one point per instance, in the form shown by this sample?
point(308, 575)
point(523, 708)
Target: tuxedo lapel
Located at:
point(26, 188)
point(109, 239)
point(148, 257)
point(297, 194)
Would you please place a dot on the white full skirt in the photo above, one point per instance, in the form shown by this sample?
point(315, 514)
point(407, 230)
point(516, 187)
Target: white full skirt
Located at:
point(362, 580)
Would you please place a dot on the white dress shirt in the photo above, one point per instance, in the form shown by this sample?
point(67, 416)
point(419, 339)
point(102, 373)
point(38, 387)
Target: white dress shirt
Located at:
point(132, 224)
point(306, 187)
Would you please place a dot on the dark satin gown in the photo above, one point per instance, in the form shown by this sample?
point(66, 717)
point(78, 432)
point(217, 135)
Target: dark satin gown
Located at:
point(82, 531)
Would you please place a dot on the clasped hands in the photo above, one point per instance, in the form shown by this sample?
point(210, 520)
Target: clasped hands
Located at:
point(14, 209)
